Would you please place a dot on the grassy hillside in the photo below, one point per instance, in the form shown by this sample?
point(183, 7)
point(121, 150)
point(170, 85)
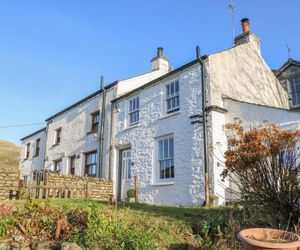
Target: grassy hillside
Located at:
point(9, 153)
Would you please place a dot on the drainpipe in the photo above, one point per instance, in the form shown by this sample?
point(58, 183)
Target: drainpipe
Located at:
point(204, 128)
point(111, 141)
point(101, 132)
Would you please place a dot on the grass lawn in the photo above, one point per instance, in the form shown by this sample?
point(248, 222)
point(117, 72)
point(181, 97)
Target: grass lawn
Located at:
point(98, 225)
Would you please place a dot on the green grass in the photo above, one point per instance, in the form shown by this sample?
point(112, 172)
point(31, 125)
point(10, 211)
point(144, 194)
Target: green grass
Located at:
point(9, 153)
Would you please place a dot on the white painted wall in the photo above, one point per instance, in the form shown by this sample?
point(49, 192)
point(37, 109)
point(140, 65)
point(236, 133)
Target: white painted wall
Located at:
point(76, 136)
point(188, 185)
point(242, 74)
point(33, 162)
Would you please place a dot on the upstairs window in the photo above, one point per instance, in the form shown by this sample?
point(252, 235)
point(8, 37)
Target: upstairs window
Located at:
point(37, 147)
point(172, 97)
point(58, 165)
point(134, 111)
point(166, 158)
point(95, 122)
point(27, 152)
point(295, 89)
point(57, 136)
point(91, 163)
point(72, 165)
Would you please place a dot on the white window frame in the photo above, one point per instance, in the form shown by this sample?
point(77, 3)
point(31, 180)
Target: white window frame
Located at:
point(172, 96)
point(134, 111)
point(165, 159)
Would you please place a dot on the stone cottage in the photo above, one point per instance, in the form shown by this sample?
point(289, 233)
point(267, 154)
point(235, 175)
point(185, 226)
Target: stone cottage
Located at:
point(167, 127)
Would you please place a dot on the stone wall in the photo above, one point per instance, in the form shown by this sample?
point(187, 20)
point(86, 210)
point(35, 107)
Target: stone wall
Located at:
point(9, 180)
point(96, 189)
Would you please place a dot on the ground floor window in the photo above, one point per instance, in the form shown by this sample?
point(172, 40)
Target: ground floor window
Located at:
point(166, 166)
point(91, 163)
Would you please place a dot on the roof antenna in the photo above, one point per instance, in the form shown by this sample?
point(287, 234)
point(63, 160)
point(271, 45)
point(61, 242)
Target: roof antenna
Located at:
point(289, 51)
point(232, 6)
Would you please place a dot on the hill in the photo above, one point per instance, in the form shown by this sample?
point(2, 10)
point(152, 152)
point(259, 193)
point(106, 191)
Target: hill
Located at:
point(9, 153)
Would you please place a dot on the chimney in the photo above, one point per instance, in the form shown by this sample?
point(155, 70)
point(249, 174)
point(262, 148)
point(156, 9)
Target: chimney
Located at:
point(160, 62)
point(247, 36)
point(245, 25)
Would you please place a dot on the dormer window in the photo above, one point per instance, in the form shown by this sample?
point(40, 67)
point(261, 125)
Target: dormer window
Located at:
point(134, 111)
point(172, 97)
point(295, 90)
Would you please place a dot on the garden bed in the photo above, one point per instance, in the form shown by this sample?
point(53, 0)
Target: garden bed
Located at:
point(98, 225)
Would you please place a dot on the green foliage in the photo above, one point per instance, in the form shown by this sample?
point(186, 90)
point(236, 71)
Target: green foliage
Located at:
point(106, 231)
point(130, 193)
point(6, 226)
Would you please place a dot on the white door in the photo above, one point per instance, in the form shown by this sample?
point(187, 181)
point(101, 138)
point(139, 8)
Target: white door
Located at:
point(126, 172)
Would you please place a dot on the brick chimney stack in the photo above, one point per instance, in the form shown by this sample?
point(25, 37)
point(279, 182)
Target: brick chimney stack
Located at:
point(247, 36)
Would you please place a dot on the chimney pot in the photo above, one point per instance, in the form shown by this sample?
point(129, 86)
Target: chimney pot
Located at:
point(160, 51)
point(245, 25)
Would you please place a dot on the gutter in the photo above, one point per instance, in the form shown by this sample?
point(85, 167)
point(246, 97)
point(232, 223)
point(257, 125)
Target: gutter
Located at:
point(101, 132)
point(204, 128)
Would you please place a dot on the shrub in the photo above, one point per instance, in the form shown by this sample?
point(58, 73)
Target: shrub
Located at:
point(130, 193)
point(263, 162)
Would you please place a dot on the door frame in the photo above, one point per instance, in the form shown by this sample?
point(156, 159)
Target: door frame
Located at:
point(120, 172)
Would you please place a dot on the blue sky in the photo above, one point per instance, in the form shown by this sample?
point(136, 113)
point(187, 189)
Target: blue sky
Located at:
point(53, 52)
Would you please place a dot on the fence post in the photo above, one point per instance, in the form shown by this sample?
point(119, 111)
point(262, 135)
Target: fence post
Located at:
point(136, 189)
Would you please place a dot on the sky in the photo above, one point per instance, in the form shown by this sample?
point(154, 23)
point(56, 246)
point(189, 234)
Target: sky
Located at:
point(53, 52)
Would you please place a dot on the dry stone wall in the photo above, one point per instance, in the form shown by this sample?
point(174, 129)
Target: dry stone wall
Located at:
point(96, 189)
point(9, 180)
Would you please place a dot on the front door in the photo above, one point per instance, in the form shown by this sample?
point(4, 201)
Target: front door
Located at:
point(124, 173)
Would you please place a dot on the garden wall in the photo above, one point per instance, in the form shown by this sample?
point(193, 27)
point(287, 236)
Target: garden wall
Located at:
point(96, 189)
point(9, 180)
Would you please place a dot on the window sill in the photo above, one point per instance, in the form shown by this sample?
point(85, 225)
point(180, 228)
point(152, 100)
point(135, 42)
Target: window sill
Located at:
point(170, 115)
point(131, 127)
point(91, 132)
point(163, 184)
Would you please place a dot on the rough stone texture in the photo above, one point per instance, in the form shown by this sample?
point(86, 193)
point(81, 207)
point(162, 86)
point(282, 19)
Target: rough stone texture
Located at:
point(69, 246)
point(33, 162)
point(96, 189)
point(187, 186)
point(9, 180)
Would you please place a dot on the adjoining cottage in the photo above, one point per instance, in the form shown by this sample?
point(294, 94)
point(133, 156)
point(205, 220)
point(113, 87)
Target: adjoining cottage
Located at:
point(155, 127)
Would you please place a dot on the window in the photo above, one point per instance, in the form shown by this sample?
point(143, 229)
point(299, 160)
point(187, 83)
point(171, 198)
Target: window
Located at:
point(72, 164)
point(58, 165)
point(27, 153)
point(172, 97)
point(95, 122)
point(126, 164)
point(91, 163)
point(57, 136)
point(37, 147)
point(166, 158)
point(134, 112)
point(295, 89)
point(34, 175)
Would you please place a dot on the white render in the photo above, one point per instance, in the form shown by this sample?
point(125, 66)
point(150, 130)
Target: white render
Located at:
point(187, 186)
point(77, 138)
point(27, 166)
